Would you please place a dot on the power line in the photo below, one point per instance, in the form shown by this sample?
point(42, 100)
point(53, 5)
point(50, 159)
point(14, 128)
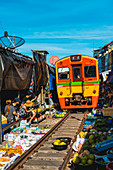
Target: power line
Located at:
point(1, 26)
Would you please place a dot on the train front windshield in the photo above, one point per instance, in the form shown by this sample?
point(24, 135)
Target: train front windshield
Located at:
point(90, 71)
point(76, 73)
point(63, 73)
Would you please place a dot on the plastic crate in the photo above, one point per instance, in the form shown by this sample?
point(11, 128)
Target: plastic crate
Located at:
point(89, 122)
point(108, 111)
point(3, 125)
point(104, 145)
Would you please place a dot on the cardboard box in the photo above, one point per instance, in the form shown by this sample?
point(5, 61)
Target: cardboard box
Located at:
point(108, 111)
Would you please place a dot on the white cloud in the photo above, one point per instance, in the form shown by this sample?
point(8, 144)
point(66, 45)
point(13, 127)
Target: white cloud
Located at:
point(102, 32)
point(81, 41)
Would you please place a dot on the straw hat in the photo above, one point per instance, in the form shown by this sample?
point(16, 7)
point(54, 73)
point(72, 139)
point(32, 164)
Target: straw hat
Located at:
point(28, 103)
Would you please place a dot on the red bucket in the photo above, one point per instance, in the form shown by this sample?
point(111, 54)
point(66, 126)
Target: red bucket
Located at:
point(109, 166)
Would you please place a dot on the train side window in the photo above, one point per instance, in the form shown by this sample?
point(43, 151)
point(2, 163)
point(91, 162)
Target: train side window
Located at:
point(90, 71)
point(63, 73)
point(76, 73)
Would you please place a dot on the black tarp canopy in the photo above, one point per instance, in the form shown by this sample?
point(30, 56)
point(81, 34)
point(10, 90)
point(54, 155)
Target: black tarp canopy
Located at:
point(15, 70)
point(41, 75)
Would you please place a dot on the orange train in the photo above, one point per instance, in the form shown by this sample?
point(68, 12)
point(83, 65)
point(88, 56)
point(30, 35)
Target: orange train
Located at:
point(77, 81)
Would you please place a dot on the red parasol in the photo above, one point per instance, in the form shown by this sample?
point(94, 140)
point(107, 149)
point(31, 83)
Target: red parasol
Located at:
point(53, 59)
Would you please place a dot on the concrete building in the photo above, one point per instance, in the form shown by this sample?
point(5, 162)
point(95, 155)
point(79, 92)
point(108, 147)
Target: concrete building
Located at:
point(105, 59)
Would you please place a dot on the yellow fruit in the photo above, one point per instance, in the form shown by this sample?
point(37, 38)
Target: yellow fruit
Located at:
point(91, 156)
point(91, 136)
point(85, 157)
point(83, 161)
point(76, 154)
point(74, 159)
point(90, 162)
point(57, 142)
point(62, 143)
point(93, 145)
point(91, 141)
point(77, 160)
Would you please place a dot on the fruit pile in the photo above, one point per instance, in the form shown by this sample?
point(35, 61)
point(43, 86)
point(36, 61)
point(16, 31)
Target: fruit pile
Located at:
point(94, 139)
point(59, 114)
point(84, 158)
point(89, 140)
point(100, 125)
point(59, 142)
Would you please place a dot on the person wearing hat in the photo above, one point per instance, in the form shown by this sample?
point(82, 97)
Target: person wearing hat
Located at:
point(10, 111)
point(30, 96)
point(29, 109)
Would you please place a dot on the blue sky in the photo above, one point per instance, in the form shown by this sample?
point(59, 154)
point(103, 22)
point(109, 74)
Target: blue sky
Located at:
point(61, 27)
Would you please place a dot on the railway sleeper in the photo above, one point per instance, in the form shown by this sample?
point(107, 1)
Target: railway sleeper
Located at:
point(47, 157)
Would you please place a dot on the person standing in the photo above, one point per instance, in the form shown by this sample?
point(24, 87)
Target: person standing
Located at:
point(16, 105)
point(10, 111)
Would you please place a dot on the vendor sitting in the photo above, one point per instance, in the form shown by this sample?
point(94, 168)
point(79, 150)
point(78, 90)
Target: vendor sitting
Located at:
point(28, 110)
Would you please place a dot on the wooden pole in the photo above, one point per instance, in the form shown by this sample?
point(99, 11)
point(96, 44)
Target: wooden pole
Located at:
point(42, 95)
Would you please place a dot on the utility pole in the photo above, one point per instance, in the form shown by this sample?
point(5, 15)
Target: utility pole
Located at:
point(93, 49)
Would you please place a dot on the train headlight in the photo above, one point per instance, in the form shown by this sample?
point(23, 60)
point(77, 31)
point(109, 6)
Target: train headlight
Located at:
point(94, 91)
point(67, 101)
point(61, 93)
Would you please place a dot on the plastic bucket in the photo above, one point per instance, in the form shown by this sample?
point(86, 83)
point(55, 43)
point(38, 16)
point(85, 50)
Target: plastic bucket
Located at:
point(109, 166)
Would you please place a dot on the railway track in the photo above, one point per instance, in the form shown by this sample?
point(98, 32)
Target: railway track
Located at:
point(42, 155)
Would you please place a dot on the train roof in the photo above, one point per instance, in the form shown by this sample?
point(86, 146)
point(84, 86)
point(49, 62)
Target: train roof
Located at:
point(75, 54)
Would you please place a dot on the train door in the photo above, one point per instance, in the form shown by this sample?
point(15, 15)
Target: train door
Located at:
point(77, 83)
point(77, 73)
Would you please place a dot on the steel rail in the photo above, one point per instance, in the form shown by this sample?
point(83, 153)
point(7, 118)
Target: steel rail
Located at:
point(70, 151)
point(19, 162)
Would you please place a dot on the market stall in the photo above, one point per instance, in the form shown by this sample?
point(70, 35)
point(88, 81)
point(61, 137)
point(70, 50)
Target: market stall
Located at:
point(94, 144)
